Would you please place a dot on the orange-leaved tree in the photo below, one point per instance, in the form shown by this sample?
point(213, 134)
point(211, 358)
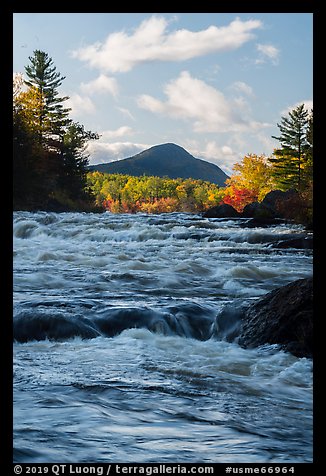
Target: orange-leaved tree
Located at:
point(251, 181)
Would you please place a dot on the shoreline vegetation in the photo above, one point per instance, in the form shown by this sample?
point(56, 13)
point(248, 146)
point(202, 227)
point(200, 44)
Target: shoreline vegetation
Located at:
point(51, 164)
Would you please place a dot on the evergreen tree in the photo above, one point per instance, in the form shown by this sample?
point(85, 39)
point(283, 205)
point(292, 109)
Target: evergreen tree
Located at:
point(290, 160)
point(75, 159)
point(51, 116)
point(26, 153)
point(308, 169)
point(49, 158)
point(310, 131)
point(29, 182)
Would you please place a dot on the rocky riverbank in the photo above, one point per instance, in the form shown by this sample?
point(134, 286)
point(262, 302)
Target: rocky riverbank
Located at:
point(275, 207)
point(269, 212)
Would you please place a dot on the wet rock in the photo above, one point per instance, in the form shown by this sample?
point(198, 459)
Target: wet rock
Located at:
point(258, 210)
point(39, 325)
point(301, 243)
point(54, 205)
point(284, 316)
point(274, 198)
point(222, 211)
point(113, 321)
point(276, 205)
point(271, 206)
point(228, 322)
point(262, 222)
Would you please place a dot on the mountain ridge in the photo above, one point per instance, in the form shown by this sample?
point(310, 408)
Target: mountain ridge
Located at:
point(162, 160)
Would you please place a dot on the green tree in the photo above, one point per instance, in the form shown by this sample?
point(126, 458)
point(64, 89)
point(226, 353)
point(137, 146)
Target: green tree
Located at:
point(50, 116)
point(154, 186)
point(200, 195)
point(49, 159)
point(290, 160)
point(95, 181)
point(308, 170)
point(26, 158)
point(29, 179)
point(75, 159)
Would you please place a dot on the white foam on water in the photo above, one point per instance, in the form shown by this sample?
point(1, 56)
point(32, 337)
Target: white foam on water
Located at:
point(251, 271)
point(142, 395)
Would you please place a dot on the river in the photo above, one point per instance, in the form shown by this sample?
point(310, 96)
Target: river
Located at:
point(118, 354)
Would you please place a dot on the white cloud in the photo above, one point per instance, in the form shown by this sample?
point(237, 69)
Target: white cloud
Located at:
point(102, 84)
point(241, 87)
point(240, 104)
point(151, 104)
point(18, 83)
point(267, 142)
point(150, 41)
point(226, 153)
point(227, 150)
point(192, 99)
point(269, 52)
point(126, 113)
point(222, 156)
point(120, 132)
point(80, 105)
point(102, 152)
point(307, 102)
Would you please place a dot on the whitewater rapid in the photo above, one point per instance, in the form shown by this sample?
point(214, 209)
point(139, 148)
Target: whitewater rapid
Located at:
point(118, 357)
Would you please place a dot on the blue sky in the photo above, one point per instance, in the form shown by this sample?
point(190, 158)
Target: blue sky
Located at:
point(215, 83)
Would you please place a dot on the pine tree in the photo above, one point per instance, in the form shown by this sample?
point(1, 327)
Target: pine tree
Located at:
point(308, 170)
point(50, 163)
point(290, 160)
point(51, 117)
point(75, 160)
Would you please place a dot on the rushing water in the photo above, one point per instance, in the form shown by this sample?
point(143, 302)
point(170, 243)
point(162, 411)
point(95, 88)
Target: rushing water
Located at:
point(120, 357)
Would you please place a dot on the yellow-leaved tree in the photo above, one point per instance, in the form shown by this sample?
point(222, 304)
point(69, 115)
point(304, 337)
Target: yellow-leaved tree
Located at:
point(251, 181)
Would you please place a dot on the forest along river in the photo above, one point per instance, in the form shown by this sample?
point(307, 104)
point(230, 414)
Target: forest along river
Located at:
point(119, 356)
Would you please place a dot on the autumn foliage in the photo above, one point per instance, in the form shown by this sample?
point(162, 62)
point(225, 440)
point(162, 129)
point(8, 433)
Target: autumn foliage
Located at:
point(238, 198)
point(120, 193)
point(251, 181)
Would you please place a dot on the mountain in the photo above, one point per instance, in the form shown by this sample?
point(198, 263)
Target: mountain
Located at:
point(168, 160)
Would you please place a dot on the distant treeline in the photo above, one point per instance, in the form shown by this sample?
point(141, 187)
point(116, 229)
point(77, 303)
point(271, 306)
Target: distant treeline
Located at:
point(120, 193)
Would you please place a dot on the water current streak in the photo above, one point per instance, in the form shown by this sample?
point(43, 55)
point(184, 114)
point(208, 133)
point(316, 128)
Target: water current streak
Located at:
point(124, 350)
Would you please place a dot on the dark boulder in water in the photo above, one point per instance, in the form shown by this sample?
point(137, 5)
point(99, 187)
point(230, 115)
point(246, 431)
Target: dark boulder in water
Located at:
point(284, 316)
point(274, 206)
point(40, 325)
point(302, 242)
point(228, 322)
point(187, 320)
point(112, 322)
point(221, 211)
point(262, 222)
point(192, 320)
point(258, 210)
point(276, 198)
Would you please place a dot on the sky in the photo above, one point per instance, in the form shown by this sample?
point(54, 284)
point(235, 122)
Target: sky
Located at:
point(216, 84)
